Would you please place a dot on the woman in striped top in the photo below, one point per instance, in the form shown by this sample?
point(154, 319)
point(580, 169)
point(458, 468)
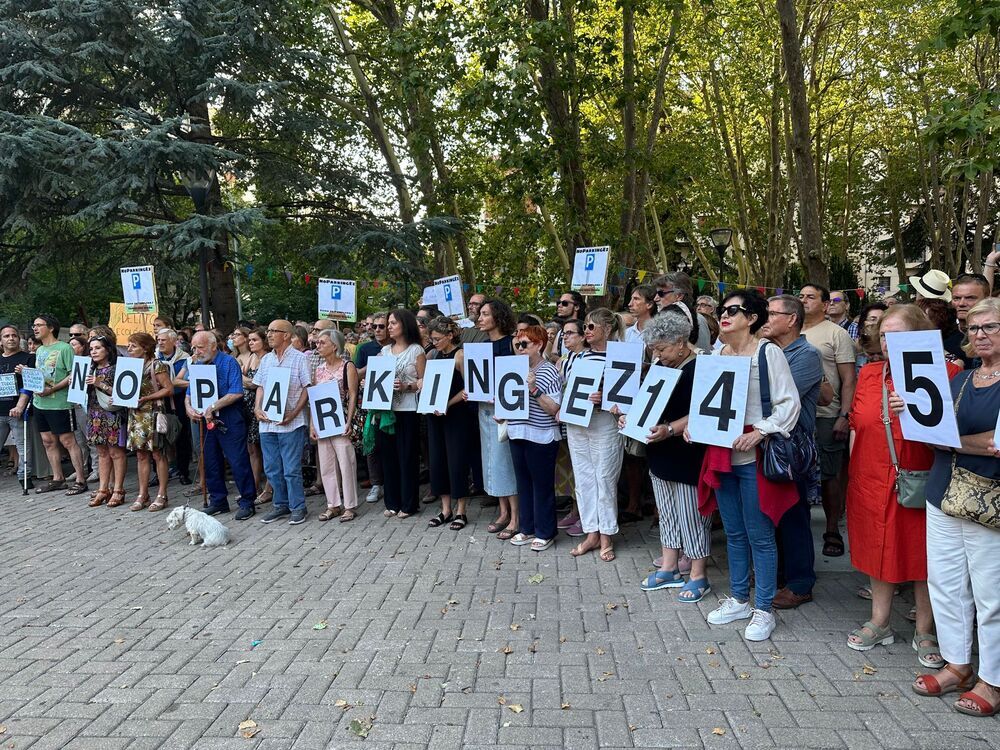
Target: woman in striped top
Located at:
point(596, 450)
point(534, 443)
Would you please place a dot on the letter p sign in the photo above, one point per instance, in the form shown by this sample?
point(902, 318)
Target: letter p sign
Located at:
point(136, 281)
point(447, 292)
point(588, 264)
point(334, 291)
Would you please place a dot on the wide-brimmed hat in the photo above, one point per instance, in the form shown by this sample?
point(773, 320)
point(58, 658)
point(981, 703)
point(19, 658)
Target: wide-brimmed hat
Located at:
point(933, 285)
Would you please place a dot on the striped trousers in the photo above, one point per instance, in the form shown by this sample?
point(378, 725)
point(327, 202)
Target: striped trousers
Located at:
point(681, 525)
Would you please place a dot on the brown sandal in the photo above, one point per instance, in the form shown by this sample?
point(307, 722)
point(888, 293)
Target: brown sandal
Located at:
point(160, 504)
point(330, 513)
point(348, 515)
point(141, 501)
point(100, 497)
point(117, 498)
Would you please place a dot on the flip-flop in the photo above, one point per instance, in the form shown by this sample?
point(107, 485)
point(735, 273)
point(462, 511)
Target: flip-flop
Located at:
point(499, 525)
point(578, 550)
point(698, 586)
point(662, 579)
point(833, 544)
point(608, 554)
point(506, 534)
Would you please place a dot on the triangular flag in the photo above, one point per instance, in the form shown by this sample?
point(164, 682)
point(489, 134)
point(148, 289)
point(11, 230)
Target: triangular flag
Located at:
point(288, 275)
point(860, 292)
point(307, 277)
point(642, 276)
point(497, 289)
point(762, 290)
point(722, 287)
point(479, 288)
point(779, 291)
point(552, 293)
point(250, 271)
point(701, 284)
point(904, 287)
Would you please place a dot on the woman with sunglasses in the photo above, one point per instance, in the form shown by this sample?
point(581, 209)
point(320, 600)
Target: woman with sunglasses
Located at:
point(496, 320)
point(534, 443)
point(105, 429)
point(596, 450)
point(450, 435)
point(575, 343)
point(749, 504)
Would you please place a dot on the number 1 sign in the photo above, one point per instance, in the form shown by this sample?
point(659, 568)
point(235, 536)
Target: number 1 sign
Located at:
point(719, 399)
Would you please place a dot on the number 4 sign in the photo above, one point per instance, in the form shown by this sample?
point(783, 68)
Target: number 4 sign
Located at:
point(919, 375)
point(719, 399)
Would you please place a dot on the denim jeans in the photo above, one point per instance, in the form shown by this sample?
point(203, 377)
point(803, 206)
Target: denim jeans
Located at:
point(8, 425)
point(748, 531)
point(283, 466)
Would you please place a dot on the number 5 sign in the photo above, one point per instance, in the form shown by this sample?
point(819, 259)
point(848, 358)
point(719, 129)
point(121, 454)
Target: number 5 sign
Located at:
point(919, 375)
point(719, 399)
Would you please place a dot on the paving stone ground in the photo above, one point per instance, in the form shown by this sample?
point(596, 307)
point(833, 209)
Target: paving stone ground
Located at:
point(114, 634)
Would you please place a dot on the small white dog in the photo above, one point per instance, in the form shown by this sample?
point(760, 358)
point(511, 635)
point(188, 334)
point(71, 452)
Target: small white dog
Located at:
point(199, 526)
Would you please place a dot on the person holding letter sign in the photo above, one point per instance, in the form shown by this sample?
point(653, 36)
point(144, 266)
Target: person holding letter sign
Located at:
point(224, 429)
point(282, 442)
point(400, 450)
point(105, 430)
point(596, 450)
point(881, 530)
point(750, 504)
point(141, 434)
point(337, 462)
point(450, 435)
point(674, 465)
point(14, 401)
point(534, 443)
point(963, 528)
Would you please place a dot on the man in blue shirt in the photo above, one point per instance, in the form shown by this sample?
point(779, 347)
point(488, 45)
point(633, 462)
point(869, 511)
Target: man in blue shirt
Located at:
point(795, 545)
point(224, 429)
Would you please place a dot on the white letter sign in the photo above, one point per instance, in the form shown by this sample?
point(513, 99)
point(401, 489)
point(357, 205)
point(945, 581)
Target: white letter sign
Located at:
point(203, 387)
point(139, 289)
point(719, 399)
point(326, 409)
point(511, 387)
point(379, 376)
point(276, 393)
point(128, 379)
point(650, 402)
point(622, 373)
point(590, 270)
point(337, 300)
point(478, 371)
point(916, 361)
point(584, 378)
point(33, 379)
point(77, 393)
point(449, 297)
point(434, 396)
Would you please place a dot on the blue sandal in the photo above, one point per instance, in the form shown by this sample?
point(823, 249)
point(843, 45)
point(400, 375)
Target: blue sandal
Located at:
point(662, 579)
point(696, 586)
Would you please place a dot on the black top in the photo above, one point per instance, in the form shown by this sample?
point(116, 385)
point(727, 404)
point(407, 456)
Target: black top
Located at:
point(366, 350)
point(457, 381)
point(503, 347)
point(7, 365)
point(673, 459)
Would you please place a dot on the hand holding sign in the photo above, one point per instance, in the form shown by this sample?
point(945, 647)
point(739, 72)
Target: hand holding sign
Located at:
point(379, 375)
point(622, 373)
point(435, 394)
point(511, 390)
point(719, 399)
point(650, 402)
point(77, 393)
point(584, 377)
point(326, 409)
point(128, 380)
point(919, 376)
point(33, 379)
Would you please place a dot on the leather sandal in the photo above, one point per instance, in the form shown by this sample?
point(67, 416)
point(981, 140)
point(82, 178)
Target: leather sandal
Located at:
point(117, 498)
point(932, 686)
point(160, 504)
point(100, 497)
point(983, 706)
point(141, 501)
point(348, 515)
point(879, 637)
point(925, 652)
point(330, 513)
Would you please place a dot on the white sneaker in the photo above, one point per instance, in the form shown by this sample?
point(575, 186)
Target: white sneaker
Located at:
point(374, 494)
point(93, 476)
point(761, 626)
point(729, 610)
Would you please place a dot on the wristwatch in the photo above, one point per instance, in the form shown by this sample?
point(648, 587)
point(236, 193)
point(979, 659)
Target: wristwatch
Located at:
point(537, 393)
point(845, 414)
point(670, 430)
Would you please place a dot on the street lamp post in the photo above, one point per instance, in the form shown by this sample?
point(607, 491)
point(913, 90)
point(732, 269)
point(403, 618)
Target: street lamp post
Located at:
point(722, 238)
point(198, 186)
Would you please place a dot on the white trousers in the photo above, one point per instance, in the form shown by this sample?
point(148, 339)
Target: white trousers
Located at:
point(596, 452)
point(963, 574)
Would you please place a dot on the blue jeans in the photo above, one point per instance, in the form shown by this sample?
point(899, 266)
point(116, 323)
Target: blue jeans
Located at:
point(795, 538)
point(231, 445)
point(535, 469)
point(748, 531)
point(283, 466)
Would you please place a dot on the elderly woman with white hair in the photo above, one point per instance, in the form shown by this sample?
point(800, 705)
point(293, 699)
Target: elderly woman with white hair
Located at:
point(337, 462)
point(674, 465)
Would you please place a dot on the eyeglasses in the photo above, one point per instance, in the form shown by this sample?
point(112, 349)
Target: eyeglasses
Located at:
point(311, 330)
point(521, 344)
point(778, 312)
point(665, 292)
point(990, 329)
point(565, 302)
point(378, 326)
point(571, 332)
point(836, 299)
point(277, 330)
point(423, 321)
point(732, 310)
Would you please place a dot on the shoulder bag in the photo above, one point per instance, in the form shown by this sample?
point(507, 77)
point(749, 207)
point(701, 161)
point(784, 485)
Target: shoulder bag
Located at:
point(785, 459)
point(910, 486)
point(168, 426)
point(969, 496)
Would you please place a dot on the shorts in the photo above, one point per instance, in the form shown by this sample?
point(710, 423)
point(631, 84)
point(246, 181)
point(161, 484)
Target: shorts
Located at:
point(56, 421)
point(831, 451)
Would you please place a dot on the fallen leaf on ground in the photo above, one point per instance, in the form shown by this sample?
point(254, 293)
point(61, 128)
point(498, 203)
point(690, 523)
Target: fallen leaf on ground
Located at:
point(341, 703)
point(565, 706)
point(502, 700)
point(869, 669)
point(533, 648)
point(321, 625)
point(361, 727)
point(248, 724)
point(709, 650)
point(713, 664)
point(3, 729)
point(453, 601)
point(506, 650)
point(250, 733)
point(537, 578)
point(562, 639)
point(601, 651)
point(119, 640)
point(515, 626)
point(605, 676)
point(744, 675)
point(516, 707)
point(610, 606)
point(719, 731)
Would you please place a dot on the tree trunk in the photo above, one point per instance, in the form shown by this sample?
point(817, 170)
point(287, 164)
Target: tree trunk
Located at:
point(803, 169)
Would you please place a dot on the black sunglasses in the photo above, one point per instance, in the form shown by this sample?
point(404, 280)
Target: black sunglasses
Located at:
point(521, 344)
point(378, 326)
point(732, 310)
point(565, 302)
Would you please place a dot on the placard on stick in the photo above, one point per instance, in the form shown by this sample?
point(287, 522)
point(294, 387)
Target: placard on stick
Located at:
point(449, 297)
point(338, 299)
point(139, 289)
point(590, 270)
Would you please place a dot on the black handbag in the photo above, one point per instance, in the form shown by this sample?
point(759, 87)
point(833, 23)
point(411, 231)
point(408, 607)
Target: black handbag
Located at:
point(785, 459)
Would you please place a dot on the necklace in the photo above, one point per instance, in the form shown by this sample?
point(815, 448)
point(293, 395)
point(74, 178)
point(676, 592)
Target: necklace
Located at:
point(987, 375)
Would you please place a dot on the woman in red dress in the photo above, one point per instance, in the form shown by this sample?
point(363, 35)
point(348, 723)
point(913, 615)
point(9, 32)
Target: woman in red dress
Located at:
point(888, 540)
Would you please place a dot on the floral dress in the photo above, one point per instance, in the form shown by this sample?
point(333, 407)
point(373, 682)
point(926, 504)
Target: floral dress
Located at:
point(249, 404)
point(142, 434)
point(103, 427)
